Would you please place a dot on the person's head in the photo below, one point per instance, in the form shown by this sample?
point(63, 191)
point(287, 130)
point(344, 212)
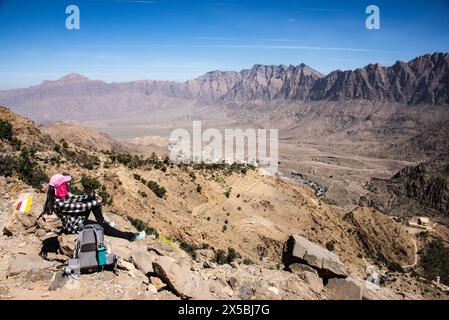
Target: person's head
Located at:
point(58, 187)
point(60, 183)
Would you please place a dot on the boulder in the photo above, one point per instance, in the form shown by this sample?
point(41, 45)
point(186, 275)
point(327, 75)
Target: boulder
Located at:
point(309, 275)
point(151, 289)
point(300, 250)
point(36, 275)
point(4, 290)
point(67, 244)
point(28, 220)
point(209, 265)
point(343, 289)
point(49, 223)
point(143, 260)
point(205, 255)
point(313, 280)
point(125, 265)
point(160, 248)
point(41, 234)
point(139, 275)
point(181, 281)
point(59, 281)
point(274, 290)
point(26, 263)
point(123, 248)
point(125, 281)
point(233, 282)
point(298, 268)
point(157, 283)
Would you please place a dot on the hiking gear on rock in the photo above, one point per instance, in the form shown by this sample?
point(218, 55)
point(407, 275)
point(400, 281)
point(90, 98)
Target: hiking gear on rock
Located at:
point(91, 251)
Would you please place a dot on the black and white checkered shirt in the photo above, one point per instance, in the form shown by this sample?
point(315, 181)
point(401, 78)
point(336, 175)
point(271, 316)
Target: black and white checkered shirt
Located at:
point(73, 211)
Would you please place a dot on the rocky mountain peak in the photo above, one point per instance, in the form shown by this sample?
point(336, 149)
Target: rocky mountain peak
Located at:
point(73, 77)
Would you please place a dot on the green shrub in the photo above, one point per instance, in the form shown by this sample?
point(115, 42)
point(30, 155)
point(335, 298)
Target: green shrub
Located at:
point(64, 144)
point(232, 255)
point(142, 226)
point(90, 185)
point(158, 190)
point(8, 164)
point(330, 245)
point(188, 247)
point(198, 188)
point(26, 168)
point(220, 257)
point(248, 261)
point(15, 143)
point(5, 130)
point(435, 261)
point(143, 194)
point(106, 196)
point(395, 267)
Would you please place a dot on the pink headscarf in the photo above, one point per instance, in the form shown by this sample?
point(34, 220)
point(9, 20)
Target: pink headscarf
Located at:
point(62, 191)
point(60, 183)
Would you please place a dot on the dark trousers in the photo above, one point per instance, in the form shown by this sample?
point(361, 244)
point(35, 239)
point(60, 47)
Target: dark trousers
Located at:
point(108, 230)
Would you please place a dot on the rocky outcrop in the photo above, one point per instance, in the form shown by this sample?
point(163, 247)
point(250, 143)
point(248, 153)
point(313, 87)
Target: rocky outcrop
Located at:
point(27, 263)
point(421, 189)
point(300, 250)
point(343, 289)
point(181, 280)
point(143, 261)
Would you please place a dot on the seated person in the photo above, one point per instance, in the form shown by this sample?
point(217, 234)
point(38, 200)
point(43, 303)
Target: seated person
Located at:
point(74, 210)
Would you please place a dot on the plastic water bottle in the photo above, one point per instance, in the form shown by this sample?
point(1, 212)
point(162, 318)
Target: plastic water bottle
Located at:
point(108, 247)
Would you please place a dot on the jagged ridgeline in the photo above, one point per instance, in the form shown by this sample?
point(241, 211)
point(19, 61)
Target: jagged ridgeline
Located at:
point(421, 81)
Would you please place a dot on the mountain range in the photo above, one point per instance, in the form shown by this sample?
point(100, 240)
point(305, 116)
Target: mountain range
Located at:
point(423, 80)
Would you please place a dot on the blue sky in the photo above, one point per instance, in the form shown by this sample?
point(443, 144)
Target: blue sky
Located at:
point(123, 40)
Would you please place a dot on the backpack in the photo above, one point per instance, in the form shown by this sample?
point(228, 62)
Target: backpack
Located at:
point(91, 254)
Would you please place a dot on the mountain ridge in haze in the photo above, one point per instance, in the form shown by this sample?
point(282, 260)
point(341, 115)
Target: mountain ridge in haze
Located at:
point(423, 80)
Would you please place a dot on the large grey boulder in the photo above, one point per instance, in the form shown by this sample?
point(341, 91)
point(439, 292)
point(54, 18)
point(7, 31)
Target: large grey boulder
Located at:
point(343, 289)
point(26, 263)
point(143, 260)
point(300, 250)
point(181, 280)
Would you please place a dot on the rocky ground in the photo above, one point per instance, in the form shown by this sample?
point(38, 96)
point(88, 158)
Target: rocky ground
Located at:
point(33, 255)
point(203, 211)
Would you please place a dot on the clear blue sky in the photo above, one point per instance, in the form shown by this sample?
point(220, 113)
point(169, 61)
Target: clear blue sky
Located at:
point(123, 40)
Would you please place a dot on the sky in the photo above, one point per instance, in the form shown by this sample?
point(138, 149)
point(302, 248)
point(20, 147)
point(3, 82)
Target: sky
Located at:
point(126, 40)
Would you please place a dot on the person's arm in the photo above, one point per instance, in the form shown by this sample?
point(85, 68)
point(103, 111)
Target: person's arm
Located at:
point(69, 207)
point(82, 198)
